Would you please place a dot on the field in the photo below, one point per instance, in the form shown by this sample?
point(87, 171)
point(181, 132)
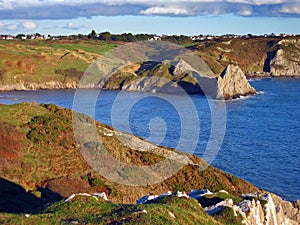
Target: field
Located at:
point(43, 61)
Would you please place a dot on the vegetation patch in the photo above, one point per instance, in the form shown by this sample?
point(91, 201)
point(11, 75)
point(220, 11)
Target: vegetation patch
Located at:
point(48, 165)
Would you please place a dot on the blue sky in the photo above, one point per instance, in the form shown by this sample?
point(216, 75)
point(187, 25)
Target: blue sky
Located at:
point(189, 17)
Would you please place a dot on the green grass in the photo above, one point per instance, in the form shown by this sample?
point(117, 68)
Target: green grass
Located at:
point(44, 61)
point(98, 48)
point(87, 210)
point(227, 217)
point(49, 153)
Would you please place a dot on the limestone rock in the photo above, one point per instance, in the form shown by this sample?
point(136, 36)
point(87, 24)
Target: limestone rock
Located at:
point(24, 86)
point(255, 208)
point(94, 195)
point(233, 83)
point(285, 61)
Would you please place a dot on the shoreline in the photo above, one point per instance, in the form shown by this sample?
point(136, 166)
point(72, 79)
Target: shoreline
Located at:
point(57, 85)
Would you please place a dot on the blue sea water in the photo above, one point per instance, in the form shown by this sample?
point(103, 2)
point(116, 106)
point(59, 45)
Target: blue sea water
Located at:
point(261, 142)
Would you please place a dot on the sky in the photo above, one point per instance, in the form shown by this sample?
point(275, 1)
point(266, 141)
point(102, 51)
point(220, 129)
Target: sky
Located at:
point(171, 17)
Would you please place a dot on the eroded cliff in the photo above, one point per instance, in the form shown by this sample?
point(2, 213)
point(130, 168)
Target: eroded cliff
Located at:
point(284, 60)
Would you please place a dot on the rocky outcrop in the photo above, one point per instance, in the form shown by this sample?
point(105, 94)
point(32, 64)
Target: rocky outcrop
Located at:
point(163, 78)
point(24, 86)
point(267, 209)
point(254, 209)
point(285, 59)
point(233, 83)
point(94, 195)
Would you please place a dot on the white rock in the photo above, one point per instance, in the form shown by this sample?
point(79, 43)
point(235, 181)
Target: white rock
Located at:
point(172, 215)
point(101, 195)
point(95, 196)
point(223, 191)
point(197, 194)
point(181, 194)
point(70, 198)
point(211, 210)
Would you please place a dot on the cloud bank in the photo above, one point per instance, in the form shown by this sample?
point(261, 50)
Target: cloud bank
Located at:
point(21, 25)
point(68, 9)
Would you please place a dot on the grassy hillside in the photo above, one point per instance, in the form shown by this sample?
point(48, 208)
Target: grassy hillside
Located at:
point(43, 61)
point(41, 163)
point(87, 210)
point(66, 60)
point(248, 54)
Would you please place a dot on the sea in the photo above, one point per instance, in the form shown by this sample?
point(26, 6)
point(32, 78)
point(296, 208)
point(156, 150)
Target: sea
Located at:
point(256, 138)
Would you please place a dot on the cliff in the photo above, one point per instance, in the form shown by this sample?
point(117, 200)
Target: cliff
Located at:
point(181, 78)
point(23, 86)
point(232, 83)
point(22, 63)
point(285, 59)
point(248, 209)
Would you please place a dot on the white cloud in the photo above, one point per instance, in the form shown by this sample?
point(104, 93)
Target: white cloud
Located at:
point(6, 4)
point(27, 25)
point(68, 9)
point(85, 25)
point(70, 25)
point(11, 27)
point(1, 25)
point(291, 9)
point(246, 12)
point(19, 26)
point(165, 10)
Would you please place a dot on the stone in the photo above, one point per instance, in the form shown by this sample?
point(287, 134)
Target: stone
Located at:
point(285, 59)
point(232, 83)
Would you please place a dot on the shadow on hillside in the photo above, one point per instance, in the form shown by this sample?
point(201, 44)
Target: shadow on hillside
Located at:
point(206, 202)
point(15, 199)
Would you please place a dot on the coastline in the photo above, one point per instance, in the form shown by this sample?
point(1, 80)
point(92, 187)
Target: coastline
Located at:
point(31, 86)
point(255, 205)
point(57, 85)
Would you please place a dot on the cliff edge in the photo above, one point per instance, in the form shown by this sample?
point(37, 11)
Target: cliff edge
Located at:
point(284, 60)
point(179, 79)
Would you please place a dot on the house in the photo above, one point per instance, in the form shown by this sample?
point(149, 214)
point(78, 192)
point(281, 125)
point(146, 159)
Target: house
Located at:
point(9, 37)
point(155, 38)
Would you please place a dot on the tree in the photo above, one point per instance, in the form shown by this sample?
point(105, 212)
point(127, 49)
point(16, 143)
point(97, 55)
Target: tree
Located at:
point(19, 36)
point(105, 36)
point(92, 35)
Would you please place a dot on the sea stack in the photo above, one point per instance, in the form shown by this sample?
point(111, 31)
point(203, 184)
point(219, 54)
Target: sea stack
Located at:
point(232, 83)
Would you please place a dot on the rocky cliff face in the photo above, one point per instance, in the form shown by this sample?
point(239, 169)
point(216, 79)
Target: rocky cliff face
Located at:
point(253, 209)
point(267, 209)
point(233, 83)
point(23, 86)
point(285, 59)
point(178, 79)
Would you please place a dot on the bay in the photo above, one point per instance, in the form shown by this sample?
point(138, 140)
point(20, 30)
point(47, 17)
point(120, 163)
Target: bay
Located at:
point(261, 142)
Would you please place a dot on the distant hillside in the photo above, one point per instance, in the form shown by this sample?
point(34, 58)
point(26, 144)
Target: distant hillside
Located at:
point(36, 64)
point(249, 54)
point(33, 64)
